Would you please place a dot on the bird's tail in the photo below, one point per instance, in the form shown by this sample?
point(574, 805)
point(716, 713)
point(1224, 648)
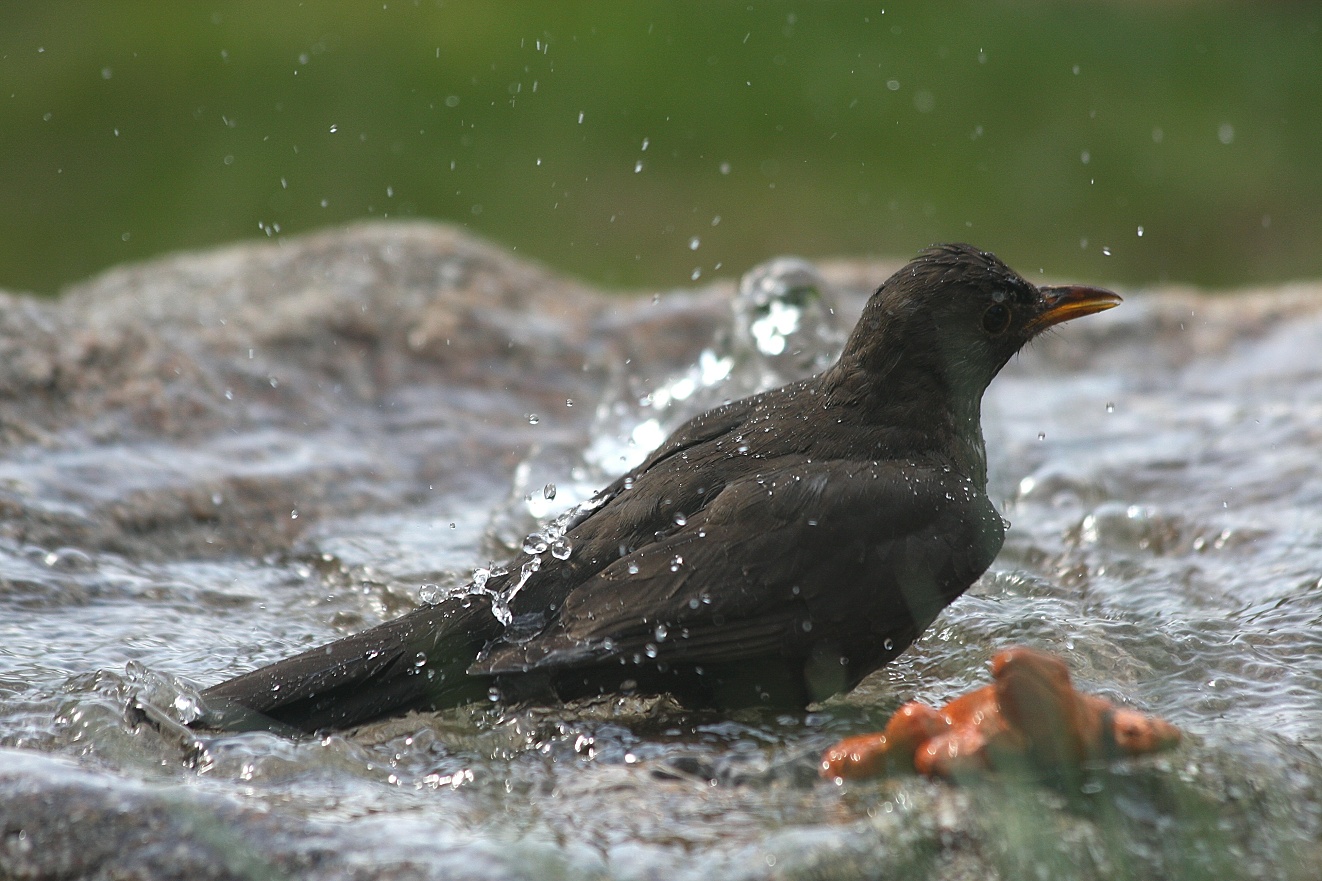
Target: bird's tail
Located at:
point(419, 661)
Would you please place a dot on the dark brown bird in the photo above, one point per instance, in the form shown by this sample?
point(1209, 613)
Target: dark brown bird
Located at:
point(774, 550)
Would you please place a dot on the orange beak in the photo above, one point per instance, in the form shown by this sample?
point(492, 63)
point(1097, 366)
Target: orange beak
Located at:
point(1068, 302)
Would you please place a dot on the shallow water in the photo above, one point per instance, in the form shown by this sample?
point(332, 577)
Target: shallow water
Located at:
point(1158, 464)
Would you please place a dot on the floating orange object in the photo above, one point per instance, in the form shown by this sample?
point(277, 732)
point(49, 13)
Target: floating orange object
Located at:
point(1030, 714)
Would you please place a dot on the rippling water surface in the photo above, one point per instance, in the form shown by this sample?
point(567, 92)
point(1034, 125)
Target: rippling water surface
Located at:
point(1159, 465)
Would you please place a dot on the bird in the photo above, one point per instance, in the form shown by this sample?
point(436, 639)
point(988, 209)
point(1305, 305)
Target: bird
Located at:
point(773, 551)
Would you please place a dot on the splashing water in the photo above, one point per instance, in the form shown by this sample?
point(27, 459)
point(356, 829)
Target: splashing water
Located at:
point(783, 326)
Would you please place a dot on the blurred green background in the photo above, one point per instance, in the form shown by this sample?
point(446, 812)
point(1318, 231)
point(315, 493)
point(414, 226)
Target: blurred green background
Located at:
point(641, 143)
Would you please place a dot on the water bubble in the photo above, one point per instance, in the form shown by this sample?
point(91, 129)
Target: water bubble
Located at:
point(187, 707)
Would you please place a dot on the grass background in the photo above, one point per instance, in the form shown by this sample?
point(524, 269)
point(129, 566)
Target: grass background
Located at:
point(641, 143)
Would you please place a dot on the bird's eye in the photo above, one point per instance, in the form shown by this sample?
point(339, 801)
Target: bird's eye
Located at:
point(996, 319)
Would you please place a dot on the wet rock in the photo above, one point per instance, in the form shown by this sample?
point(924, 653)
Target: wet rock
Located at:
point(226, 401)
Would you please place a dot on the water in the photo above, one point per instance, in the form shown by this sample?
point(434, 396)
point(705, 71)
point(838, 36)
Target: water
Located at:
point(1158, 465)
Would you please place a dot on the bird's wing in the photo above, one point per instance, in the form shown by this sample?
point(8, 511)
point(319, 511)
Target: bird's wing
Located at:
point(772, 557)
point(697, 431)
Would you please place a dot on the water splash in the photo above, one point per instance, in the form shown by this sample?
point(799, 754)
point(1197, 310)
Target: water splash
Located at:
point(783, 325)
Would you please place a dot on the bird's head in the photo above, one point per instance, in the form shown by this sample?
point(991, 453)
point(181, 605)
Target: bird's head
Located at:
point(954, 316)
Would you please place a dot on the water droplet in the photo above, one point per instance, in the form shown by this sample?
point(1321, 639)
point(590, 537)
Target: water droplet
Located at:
point(430, 594)
point(675, 562)
point(632, 568)
point(888, 644)
point(1106, 252)
point(548, 491)
point(1110, 406)
point(660, 633)
point(1140, 232)
point(725, 168)
point(420, 660)
point(561, 549)
point(638, 166)
point(650, 650)
point(533, 419)
point(1041, 435)
point(293, 515)
point(535, 543)
point(646, 141)
point(680, 519)
point(694, 243)
point(334, 129)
